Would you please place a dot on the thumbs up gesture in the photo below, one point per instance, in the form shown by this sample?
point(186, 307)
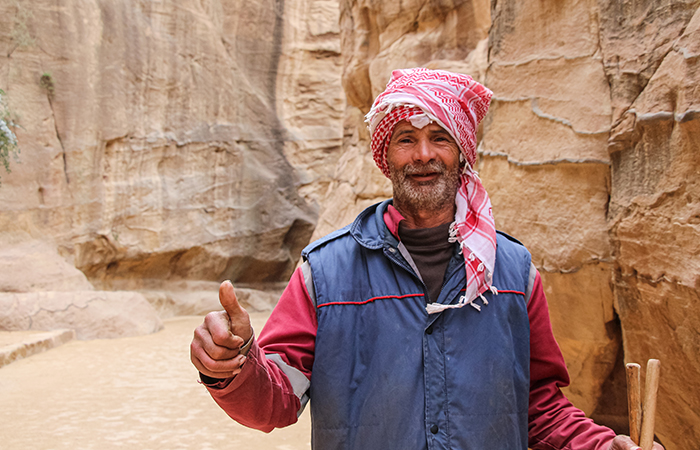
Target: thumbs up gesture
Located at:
point(215, 349)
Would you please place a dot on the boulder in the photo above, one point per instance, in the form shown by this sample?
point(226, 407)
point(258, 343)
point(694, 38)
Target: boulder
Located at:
point(198, 299)
point(33, 265)
point(91, 314)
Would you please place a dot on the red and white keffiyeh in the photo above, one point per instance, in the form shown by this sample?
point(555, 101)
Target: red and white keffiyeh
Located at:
point(457, 103)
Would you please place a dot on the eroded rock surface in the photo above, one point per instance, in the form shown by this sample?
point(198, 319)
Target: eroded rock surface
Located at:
point(152, 149)
point(546, 166)
point(310, 98)
point(91, 314)
point(199, 298)
point(655, 219)
point(16, 345)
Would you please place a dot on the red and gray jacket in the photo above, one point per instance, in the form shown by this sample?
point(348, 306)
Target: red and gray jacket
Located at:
point(351, 333)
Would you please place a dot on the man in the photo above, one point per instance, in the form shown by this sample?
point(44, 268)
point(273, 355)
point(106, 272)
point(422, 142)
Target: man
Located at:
point(418, 326)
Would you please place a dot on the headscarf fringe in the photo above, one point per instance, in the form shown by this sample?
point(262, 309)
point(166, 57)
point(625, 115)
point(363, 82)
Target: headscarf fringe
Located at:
point(434, 308)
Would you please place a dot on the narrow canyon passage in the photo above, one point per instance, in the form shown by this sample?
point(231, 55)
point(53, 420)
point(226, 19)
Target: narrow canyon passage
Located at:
point(135, 393)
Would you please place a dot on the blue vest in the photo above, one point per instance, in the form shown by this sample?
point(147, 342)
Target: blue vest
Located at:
point(387, 375)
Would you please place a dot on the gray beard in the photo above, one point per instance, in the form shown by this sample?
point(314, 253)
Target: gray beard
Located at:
point(428, 196)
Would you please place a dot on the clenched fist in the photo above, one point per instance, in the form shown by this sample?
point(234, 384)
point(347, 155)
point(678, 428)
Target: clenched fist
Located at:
point(625, 443)
point(215, 349)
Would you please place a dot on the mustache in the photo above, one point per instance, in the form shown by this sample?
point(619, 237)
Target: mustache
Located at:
point(420, 168)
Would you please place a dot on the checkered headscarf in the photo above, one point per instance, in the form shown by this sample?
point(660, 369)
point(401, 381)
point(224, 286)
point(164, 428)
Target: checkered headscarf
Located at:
point(457, 103)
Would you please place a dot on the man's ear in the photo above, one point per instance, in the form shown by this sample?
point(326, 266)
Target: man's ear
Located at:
point(462, 161)
point(463, 164)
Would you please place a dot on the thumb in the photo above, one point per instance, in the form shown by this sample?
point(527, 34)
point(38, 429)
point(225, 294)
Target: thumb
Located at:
point(238, 317)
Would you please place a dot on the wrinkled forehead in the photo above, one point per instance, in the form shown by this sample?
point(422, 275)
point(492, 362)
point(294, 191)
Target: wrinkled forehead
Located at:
point(408, 125)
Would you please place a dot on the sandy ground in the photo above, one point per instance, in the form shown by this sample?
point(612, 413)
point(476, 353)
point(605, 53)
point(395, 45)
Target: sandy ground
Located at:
point(135, 393)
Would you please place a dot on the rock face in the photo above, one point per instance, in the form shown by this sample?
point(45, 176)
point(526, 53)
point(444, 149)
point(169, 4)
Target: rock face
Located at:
point(152, 149)
point(310, 98)
point(165, 147)
point(546, 167)
point(199, 298)
point(654, 214)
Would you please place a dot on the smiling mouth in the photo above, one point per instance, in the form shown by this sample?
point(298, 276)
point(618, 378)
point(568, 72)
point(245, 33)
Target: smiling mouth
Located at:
point(424, 176)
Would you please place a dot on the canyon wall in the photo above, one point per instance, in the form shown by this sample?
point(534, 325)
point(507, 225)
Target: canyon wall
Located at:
point(546, 166)
point(162, 149)
point(152, 149)
point(654, 214)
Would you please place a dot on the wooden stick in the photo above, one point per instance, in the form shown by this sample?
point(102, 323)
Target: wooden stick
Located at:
point(646, 441)
point(634, 400)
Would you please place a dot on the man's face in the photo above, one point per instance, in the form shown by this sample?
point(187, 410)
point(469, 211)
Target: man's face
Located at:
point(424, 167)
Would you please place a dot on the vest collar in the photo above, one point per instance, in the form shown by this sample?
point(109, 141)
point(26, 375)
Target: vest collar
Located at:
point(369, 229)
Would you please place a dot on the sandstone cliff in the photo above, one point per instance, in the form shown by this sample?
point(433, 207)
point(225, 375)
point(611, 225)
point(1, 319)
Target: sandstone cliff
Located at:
point(151, 145)
point(153, 154)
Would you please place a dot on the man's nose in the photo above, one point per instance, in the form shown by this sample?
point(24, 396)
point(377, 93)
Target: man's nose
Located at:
point(425, 151)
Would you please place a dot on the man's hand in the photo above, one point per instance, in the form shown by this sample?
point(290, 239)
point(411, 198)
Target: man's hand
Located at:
point(625, 443)
point(215, 349)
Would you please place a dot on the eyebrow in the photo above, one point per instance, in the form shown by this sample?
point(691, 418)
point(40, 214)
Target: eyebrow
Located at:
point(409, 131)
point(443, 133)
point(440, 131)
point(397, 134)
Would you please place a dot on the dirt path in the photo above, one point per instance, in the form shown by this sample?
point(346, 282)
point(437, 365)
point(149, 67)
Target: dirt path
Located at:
point(135, 393)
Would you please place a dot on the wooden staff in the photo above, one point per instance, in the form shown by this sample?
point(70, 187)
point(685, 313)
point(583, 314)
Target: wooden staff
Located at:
point(642, 420)
point(651, 388)
point(634, 400)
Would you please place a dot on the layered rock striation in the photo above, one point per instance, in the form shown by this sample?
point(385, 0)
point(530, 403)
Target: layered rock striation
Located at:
point(654, 212)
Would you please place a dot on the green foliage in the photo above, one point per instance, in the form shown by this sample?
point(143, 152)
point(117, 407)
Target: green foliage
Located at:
point(8, 140)
point(46, 81)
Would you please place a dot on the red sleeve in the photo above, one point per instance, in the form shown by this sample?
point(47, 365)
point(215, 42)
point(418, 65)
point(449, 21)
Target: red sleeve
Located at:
point(554, 423)
point(291, 329)
point(261, 396)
